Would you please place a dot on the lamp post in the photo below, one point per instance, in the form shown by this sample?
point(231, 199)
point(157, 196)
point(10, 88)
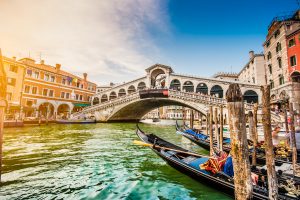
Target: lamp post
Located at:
point(3, 105)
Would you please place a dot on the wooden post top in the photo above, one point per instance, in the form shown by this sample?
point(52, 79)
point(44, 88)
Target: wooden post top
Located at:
point(234, 93)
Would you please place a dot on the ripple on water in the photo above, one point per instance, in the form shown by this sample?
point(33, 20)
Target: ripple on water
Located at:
point(96, 161)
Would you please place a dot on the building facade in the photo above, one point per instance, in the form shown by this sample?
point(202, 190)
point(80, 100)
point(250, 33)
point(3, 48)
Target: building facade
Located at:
point(50, 92)
point(254, 70)
point(15, 72)
point(276, 49)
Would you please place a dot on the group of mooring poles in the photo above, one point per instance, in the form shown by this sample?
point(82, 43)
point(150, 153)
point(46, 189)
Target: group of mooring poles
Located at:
point(216, 120)
point(239, 144)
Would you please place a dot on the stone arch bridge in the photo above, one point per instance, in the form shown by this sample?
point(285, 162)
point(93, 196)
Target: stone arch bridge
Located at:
point(162, 87)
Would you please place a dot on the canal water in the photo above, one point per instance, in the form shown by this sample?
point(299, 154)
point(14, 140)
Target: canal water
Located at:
point(93, 161)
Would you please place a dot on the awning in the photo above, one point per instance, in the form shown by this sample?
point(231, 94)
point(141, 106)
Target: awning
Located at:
point(81, 104)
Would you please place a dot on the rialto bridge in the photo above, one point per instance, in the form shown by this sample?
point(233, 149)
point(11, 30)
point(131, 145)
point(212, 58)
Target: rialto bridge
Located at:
point(128, 101)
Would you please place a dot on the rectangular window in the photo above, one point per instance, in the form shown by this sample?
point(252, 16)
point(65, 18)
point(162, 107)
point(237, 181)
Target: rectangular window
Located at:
point(292, 42)
point(45, 92)
point(51, 93)
point(13, 68)
point(77, 97)
point(34, 90)
point(27, 89)
point(62, 95)
point(52, 78)
point(11, 81)
point(46, 77)
point(67, 95)
point(29, 72)
point(36, 75)
point(271, 84)
point(281, 80)
point(293, 61)
point(63, 81)
point(8, 96)
point(80, 97)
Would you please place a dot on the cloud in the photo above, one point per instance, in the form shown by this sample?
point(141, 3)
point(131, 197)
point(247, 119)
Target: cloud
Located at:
point(109, 39)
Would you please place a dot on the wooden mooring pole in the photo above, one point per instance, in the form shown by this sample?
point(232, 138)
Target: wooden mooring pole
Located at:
point(252, 133)
point(211, 136)
point(3, 105)
point(217, 128)
point(239, 146)
point(293, 138)
point(221, 128)
point(255, 134)
point(266, 120)
point(191, 119)
point(207, 122)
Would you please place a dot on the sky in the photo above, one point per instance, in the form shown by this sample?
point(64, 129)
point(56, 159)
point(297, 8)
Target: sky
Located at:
point(116, 40)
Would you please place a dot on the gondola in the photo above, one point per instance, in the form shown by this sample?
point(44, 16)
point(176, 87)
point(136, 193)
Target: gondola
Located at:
point(203, 141)
point(189, 165)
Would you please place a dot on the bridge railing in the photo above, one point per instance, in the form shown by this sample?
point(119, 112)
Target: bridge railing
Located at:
point(109, 103)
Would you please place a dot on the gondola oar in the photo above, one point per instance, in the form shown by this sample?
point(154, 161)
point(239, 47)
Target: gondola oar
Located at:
point(166, 148)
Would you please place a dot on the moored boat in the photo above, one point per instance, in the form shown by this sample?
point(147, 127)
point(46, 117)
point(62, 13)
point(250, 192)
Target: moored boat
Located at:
point(203, 141)
point(189, 164)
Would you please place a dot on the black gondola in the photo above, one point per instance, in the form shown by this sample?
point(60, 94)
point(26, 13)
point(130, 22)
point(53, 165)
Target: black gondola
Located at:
point(185, 164)
point(260, 159)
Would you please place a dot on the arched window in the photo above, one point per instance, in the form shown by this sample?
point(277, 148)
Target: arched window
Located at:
point(188, 86)
point(281, 79)
point(250, 96)
point(279, 62)
point(131, 89)
point(202, 88)
point(122, 92)
point(112, 96)
point(269, 55)
point(278, 47)
point(217, 91)
point(141, 86)
point(175, 85)
point(104, 98)
point(96, 101)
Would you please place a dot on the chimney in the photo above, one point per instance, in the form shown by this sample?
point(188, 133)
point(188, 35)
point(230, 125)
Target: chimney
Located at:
point(251, 54)
point(85, 76)
point(42, 62)
point(14, 58)
point(57, 66)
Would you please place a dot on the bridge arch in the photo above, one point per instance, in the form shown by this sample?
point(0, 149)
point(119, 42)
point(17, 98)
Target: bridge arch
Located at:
point(135, 110)
point(141, 85)
point(217, 91)
point(188, 86)
point(157, 77)
point(131, 89)
point(295, 76)
point(175, 85)
point(122, 92)
point(112, 95)
point(250, 96)
point(202, 88)
point(104, 98)
point(95, 101)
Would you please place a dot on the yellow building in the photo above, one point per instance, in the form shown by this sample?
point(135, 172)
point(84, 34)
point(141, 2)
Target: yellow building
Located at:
point(15, 73)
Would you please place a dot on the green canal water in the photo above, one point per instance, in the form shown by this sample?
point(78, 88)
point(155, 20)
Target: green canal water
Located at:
point(96, 161)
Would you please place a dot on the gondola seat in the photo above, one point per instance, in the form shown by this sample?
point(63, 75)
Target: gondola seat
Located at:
point(197, 162)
